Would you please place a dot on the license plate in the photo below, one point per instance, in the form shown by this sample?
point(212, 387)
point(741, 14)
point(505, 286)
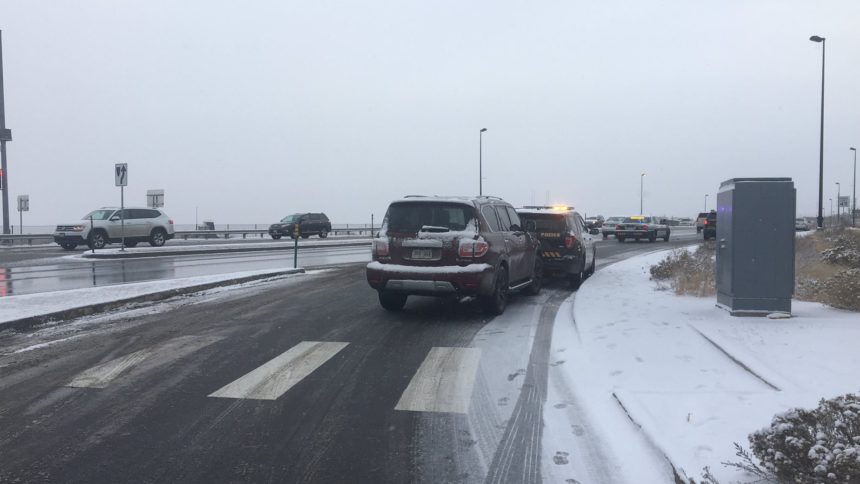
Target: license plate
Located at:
point(422, 253)
point(550, 235)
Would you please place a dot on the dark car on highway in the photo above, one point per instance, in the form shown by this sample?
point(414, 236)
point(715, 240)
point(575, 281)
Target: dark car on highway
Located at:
point(566, 244)
point(709, 225)
point(640, 227)
point(453, 246)
point(307, 224)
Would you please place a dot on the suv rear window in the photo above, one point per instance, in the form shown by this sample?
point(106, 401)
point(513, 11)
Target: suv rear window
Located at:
point(550, 222)
point(411, 217)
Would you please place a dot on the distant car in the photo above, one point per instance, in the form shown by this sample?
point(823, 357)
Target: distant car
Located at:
point(700, 221)
point(566, 244)
point(709, 226)
point(609, 225)
point(456, 247)
point(108, 224)
point(640, 227)
point(594, 222)
point(685, 222)
point(801, 224)
point(307, 224)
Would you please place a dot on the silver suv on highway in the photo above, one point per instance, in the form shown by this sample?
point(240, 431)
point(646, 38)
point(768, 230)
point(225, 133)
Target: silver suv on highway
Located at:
point(105, 225)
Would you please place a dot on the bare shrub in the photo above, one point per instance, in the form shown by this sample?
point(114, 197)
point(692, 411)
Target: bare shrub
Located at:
point(827, 268)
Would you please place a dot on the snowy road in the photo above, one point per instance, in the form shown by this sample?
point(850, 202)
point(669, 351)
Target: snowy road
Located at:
point(302, 380)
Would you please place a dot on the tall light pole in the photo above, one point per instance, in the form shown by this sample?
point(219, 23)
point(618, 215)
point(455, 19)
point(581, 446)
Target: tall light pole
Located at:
point(816, 38)
point(838, 194)
point(641, 192)
point(481, 161)
point(854, 190)
point(706, 202)
point(831, 212)
point(5, 135)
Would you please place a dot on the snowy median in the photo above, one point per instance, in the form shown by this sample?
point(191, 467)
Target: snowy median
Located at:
point(646, 374)
point(30, 309)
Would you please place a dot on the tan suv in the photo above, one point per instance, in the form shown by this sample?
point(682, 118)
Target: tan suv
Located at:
point(453, 246)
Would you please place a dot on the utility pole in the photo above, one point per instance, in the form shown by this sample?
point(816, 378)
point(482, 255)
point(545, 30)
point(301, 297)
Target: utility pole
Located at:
point(5, 135)
point(854, 190)
point(822, 40)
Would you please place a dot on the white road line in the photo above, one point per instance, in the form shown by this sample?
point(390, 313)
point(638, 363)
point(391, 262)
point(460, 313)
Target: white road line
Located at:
point(443, 382)
point(101, 376)
point(275, 377)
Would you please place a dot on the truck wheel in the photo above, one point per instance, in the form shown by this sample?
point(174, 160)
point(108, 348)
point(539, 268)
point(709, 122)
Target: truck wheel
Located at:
point(392, 301)
point(496, 302)
point(97, 240)
point(157, 238)
point(324, 233)
point(276, 236)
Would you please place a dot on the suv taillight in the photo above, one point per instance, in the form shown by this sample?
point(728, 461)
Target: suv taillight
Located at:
point(706, 222)
point(569, 241)
point(473, 247)
point(619, 227)
point(380, 247)
point(170, 221)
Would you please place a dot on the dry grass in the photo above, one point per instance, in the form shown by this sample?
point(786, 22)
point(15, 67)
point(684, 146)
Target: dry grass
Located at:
point(686, 272)
point(827, 269)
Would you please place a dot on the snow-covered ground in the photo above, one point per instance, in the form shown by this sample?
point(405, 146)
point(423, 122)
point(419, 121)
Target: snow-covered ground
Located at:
point(13, 308)
point(693, 377)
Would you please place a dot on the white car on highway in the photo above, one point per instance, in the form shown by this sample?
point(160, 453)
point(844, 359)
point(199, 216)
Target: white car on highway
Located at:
point(110, 224)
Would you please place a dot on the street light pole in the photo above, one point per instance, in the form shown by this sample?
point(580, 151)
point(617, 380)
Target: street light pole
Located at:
point(706, 202)
point(481, 161)
point(816, 38)
point(831, 212)
point(641, 192)
point(854, 190)
point(5, 135)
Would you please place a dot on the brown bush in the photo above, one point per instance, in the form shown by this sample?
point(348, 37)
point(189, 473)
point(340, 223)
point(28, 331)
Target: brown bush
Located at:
point(690, 273)
point(827, 268)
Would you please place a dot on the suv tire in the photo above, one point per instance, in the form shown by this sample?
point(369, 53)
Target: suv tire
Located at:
point(652, 237)
point(575, 280)
point(496, 302)
point(590, 271)
point(97, 239)
point(534, 288)
point(158, 237)
point(276, 236)
point(324, 233)
point(392, 301)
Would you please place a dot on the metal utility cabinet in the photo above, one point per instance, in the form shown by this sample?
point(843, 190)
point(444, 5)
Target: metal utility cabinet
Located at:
point(755, 245)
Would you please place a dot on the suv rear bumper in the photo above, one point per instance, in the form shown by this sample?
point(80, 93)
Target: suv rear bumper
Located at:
point(469, 280)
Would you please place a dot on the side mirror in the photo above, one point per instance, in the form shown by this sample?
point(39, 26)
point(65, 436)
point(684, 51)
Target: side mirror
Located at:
point(530, 226)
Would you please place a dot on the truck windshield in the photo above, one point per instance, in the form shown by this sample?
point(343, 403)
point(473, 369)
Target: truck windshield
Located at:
point(411, 217)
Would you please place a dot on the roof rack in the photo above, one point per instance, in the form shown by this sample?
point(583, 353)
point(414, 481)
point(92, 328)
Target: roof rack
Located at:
point(490, 196)
point(548, 207)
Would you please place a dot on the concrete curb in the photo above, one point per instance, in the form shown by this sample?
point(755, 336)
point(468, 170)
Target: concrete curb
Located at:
point(165, 253)
point(30, 321)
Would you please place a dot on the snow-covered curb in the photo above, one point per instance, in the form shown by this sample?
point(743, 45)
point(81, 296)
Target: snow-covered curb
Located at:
point(693, 377)
point(31, 309)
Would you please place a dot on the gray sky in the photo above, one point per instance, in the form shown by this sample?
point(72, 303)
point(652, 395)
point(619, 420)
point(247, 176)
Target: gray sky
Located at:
point(253, 110)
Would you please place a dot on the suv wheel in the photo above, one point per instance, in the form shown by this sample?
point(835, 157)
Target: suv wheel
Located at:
point(537, 279)
point(324, 233)
point(576, 279)
point(97, 240)
point(157, 238)
point(652, 237)
point(392, 301)
point(590, 271)
point(496, 302)
point(276, 236)
point(68, 245)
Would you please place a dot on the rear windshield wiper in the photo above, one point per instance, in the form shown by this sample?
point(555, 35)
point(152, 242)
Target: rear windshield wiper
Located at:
point(434, 228)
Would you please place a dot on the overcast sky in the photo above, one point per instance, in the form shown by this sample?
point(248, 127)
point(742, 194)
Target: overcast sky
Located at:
point(253, 110)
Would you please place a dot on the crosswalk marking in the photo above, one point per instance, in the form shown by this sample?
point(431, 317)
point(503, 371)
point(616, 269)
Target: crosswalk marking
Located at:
point(443, 382)
point(101, 376)
point(275, 377)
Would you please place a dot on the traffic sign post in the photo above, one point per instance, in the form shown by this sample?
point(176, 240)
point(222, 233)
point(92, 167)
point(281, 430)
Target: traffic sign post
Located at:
point(121, 180)
point(23, 206)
